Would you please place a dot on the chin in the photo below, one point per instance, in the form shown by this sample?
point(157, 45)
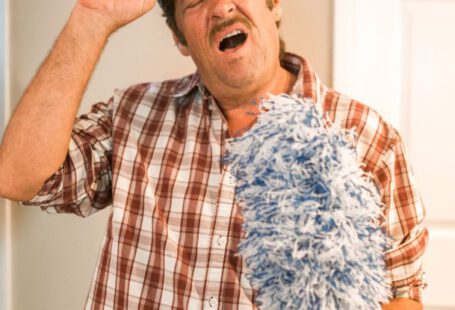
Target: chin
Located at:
point(239, 81)
point(239, 77)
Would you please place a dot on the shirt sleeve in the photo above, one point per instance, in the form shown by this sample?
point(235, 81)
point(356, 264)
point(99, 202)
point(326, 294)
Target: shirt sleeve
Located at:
point(404, 215)
point(83, 183)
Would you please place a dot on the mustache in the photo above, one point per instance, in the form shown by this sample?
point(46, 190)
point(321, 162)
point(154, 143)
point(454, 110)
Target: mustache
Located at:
point(229, 22)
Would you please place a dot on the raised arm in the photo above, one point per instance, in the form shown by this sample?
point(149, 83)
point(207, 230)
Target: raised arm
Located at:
point(37, 137)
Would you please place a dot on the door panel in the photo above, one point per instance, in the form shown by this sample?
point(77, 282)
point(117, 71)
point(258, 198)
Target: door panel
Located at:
point(414, 40)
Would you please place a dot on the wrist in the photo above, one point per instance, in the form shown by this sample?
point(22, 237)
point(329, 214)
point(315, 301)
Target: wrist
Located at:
point(89, 24)
point(402, 304)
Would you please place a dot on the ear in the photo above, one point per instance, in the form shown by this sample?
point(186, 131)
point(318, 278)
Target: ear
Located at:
point(182, 48)
point(277, 10)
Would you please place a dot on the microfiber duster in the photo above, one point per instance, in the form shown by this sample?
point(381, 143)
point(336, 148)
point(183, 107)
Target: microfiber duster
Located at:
point(311, 213)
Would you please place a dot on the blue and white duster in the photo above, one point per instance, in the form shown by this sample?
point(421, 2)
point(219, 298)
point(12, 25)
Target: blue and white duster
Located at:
point(311, 214)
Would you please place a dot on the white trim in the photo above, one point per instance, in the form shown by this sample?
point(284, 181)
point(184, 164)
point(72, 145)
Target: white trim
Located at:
point(6, 303)
point(3, 49)
point(7, 61)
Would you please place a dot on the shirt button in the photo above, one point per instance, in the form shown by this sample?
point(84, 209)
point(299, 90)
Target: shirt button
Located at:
point(230, 180)
point(221, 240)
point(213, 302)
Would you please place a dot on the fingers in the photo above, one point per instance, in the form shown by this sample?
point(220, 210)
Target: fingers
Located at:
point(148, 4)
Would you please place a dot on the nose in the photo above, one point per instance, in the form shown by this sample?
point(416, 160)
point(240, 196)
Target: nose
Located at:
point(223, 9)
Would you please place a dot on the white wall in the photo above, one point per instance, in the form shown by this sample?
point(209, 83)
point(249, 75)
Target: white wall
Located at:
point(54, 256)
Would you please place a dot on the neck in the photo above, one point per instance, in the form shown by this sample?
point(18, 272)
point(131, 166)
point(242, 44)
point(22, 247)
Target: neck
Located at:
point(241, 109)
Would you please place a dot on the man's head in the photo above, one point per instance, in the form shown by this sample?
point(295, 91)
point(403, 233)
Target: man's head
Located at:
point(235, 44)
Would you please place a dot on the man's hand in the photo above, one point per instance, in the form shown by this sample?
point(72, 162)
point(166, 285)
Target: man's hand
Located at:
point(113, 14)
point(402, 304)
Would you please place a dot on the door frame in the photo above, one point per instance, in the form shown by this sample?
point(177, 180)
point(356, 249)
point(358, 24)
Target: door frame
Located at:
point(5, 205)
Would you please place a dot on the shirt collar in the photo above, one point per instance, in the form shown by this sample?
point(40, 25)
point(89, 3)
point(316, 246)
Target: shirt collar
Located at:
point(307, 85)
point(187, 84)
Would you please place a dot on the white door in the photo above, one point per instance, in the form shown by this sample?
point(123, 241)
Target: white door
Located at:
point(398, 56)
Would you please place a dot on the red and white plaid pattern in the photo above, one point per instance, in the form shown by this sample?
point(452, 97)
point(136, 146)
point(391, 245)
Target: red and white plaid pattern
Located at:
point(154, 151)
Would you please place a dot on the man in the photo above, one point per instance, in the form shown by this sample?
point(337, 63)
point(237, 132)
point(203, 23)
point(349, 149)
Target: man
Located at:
point(154, 151)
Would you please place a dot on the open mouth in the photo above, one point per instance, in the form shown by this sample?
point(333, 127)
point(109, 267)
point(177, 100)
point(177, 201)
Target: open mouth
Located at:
point(232, 40)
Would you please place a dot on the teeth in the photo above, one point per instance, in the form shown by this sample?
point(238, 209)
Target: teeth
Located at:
point(236, 32)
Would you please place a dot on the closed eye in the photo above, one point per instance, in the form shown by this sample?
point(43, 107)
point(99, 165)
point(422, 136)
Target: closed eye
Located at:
point(193, 4)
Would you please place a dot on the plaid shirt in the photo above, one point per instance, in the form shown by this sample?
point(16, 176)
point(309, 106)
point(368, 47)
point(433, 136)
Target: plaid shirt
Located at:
point(154, 151)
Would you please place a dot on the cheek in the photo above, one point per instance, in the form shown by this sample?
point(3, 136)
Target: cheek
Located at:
point(267, 36)
point(195, 37)
point(200, 45)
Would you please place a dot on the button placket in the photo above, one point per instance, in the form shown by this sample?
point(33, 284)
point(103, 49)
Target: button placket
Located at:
point(230, 179)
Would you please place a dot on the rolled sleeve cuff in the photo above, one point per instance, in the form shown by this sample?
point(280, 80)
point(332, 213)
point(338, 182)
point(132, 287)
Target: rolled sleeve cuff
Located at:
point(412, 291)
point(50, 191)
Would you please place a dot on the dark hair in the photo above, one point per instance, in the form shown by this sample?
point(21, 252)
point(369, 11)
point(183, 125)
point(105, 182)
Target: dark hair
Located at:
point(168, 7)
